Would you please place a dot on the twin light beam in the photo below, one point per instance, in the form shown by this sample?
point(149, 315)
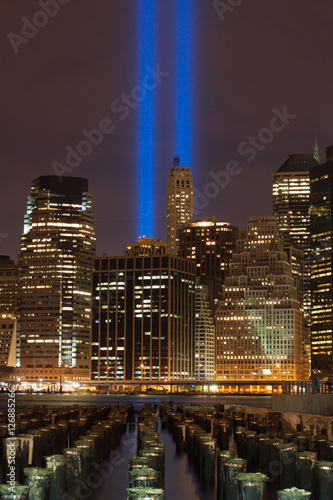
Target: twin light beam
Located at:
point(183, 80)
point(146, 120)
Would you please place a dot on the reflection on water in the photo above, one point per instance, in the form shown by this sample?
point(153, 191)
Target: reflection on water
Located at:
point(181, 481)
point(181, 478)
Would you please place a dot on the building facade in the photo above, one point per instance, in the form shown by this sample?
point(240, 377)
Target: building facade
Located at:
point(8, 286)
point(7, 340)
point(55, 263)
point(204, 335)
point(296, 261)
point(180, 204)
point(291, 200)
point(210, 245)
point(259, 322)
point(291, 206)
point(321, 208)
point(143, 318)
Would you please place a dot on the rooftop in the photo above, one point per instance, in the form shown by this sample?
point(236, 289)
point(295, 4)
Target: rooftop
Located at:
point(298, 163)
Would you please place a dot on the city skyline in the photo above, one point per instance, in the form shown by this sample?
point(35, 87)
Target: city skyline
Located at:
point(52, 201)
point(54, 87)
point(196, 219)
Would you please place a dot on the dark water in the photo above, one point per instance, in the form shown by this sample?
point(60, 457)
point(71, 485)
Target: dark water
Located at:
point(180, 478)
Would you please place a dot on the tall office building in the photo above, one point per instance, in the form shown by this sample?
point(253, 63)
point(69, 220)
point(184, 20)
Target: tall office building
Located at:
point(7, 340)
point(296, 261)
point(8, 286)
point(291, 206)
point(210, 245)
point(180, 203)
point(143, 318)
point(204, 335)
point(321, 212)
point(291, 202)
point(291, 199)
point(8, 312)
point(55, 264)
point(259, 322)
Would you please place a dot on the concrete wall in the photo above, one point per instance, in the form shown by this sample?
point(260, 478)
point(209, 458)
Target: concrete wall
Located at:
point(315, 404)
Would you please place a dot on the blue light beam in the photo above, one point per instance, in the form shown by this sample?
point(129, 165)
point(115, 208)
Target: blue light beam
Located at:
point(184, 81)
point(146, 120)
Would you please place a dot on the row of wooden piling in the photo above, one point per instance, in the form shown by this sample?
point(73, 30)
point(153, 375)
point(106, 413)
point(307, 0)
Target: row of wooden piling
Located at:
point(147, 469)
point(58, 452)
point(262, 453)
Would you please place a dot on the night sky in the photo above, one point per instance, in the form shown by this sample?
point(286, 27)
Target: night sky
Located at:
point(264, 55)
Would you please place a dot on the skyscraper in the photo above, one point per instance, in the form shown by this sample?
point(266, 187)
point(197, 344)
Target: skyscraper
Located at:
point(204, 335)
point(143, 318)
point(291, 202)
point(180, 203)
point(7, 340)
point(8, 286)
point(210, 245)
point(291, 199)
point(291, 206)
point(259, 322)
point(321, 213)
point(55, 264)
point(8, 312)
